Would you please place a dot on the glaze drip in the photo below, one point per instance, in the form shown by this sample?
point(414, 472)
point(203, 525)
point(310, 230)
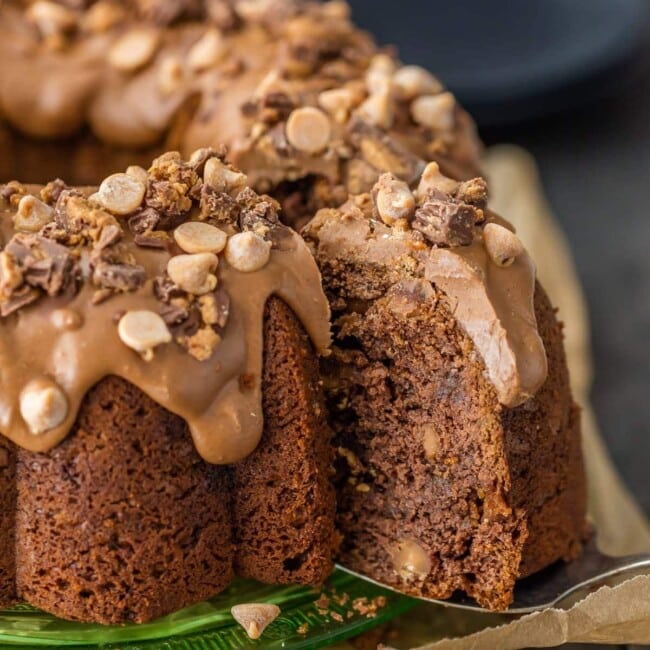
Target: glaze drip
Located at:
point(73, 340)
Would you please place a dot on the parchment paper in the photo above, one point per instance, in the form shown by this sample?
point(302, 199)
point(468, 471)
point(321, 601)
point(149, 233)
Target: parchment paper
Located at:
point(618, 614)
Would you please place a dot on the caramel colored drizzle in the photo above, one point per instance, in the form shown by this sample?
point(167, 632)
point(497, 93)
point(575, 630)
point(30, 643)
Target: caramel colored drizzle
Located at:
point(494, 305)
point(76, 343)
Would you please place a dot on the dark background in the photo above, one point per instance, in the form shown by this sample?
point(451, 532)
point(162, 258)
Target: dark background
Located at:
point(569, 81)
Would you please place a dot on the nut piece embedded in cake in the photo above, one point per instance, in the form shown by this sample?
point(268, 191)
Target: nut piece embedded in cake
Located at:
point(393, 199)
point(502, 245)
point(121, 193)
point(434, 111)
point(194, 273)
point(43, 405)
point(255, 617)
point(434, 180)
point(142, 331)
point(247, 252)
point(32, 214)
point(222, 177)
point(308, 129)
point(200, 237)
point(134, 50)
point(410, 560)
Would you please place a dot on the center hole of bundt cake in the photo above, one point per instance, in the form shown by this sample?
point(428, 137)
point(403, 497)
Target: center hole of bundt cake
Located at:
point(81, 159)
point(84, 160)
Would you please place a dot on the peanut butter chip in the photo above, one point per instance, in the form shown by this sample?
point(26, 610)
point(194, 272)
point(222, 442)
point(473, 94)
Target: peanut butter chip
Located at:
point(199, 237)
point(137, 172)
point(142, 331)
point(43, 405)
point(170, 75)
point(32, 214)
point(434, 111)
point(379, 74)
point(194, 273)
point(101, 16)
point(308, 129)
point(207, 51)
point(378, 110)
point(255, 617)
point(121, 193)
point(51, 17)
point(247, 252)
point(502, 246)
point(412, 81)
point(337, 102)
point(134, 50)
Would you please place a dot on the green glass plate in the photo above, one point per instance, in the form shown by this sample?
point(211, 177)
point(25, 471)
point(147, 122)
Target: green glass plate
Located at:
point(310, 618)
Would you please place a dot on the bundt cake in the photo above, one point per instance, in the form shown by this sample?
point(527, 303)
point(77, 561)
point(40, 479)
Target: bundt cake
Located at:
point(458, 443)
point(306, 103)
point(161, 407)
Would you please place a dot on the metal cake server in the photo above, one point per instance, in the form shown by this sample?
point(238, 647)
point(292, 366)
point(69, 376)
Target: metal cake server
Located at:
point(559, 585)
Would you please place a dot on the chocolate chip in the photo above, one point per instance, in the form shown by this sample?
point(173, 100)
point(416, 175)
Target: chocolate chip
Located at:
point(45, 264)
point(118, 277)
point(444, 221)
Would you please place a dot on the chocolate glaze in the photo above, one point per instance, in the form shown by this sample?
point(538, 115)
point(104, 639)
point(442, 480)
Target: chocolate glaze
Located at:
point(76, 343)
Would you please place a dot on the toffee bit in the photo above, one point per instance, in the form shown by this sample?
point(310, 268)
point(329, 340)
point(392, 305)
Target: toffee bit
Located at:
point(202, 344)
point(153, 239)
point(173, 184)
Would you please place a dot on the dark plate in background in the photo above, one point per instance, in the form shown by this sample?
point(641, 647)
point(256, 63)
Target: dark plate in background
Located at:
point(509, 61)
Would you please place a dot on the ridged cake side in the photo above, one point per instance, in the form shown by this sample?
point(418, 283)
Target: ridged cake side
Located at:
point(124, 521)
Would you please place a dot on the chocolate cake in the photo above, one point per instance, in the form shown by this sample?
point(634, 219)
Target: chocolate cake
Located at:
point(162, 417)
point(161, 393)
point(459, 463)
point(304, 100)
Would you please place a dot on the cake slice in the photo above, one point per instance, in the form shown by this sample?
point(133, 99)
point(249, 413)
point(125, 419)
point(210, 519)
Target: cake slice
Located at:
point(459, 464)
point(163, 423)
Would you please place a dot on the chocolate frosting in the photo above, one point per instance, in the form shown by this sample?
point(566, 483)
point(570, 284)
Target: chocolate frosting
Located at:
point(270, 64)
point(490, 297)
point(74, 342)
